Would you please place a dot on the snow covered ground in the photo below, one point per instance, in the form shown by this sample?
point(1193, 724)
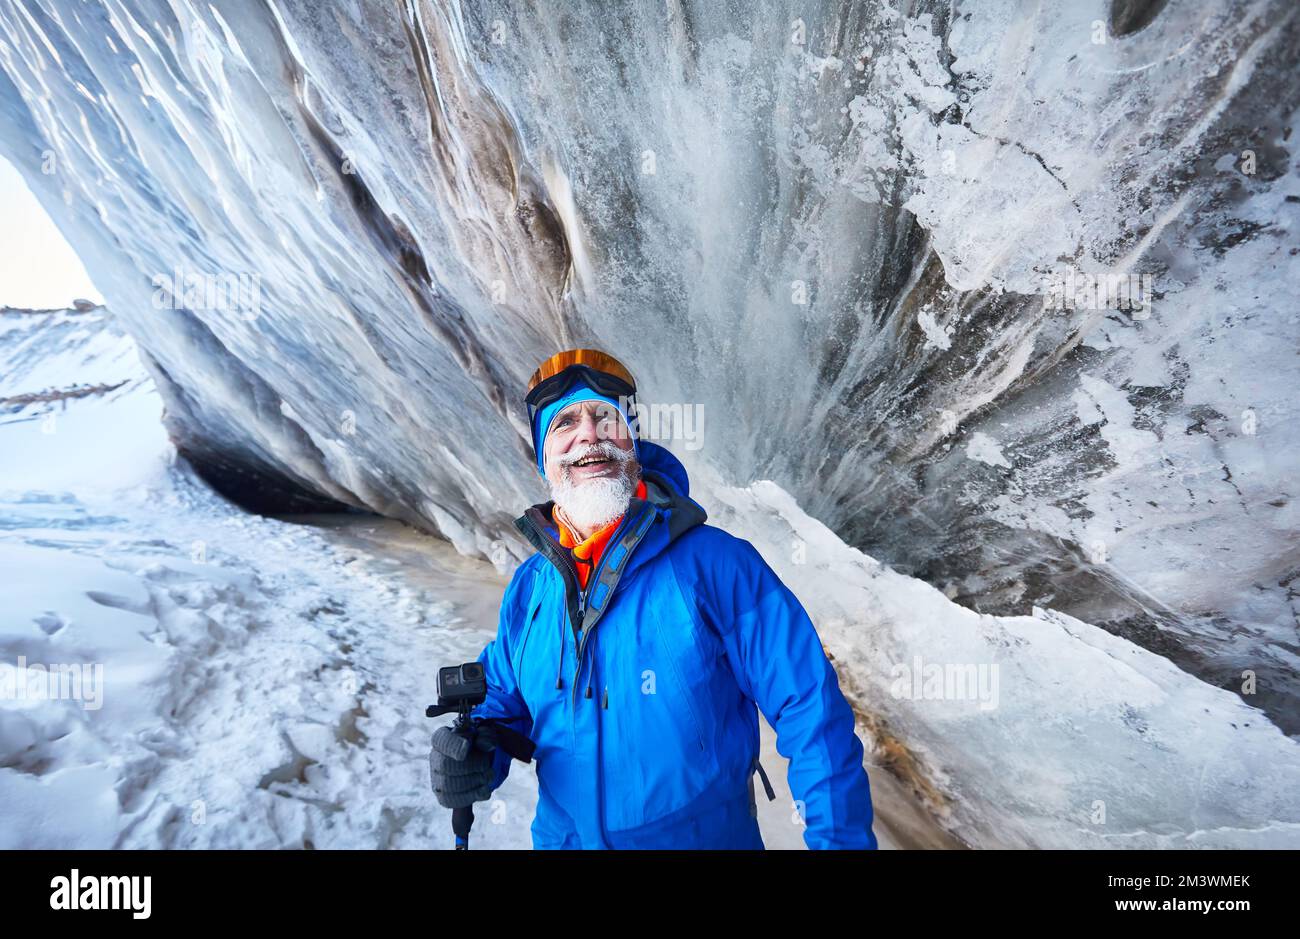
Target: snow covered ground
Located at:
point(261, 683)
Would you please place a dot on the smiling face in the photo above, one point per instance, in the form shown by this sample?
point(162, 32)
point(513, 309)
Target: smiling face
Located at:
point(591, 465)
point(588, 441)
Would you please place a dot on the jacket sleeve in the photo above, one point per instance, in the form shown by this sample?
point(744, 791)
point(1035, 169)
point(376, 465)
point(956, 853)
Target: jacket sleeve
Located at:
point(778, 661)
point(503, 699)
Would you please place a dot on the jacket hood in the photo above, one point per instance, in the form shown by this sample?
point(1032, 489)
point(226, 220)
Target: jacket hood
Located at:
point(669, 490)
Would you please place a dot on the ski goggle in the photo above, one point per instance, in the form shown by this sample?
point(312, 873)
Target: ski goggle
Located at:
point(605, 374)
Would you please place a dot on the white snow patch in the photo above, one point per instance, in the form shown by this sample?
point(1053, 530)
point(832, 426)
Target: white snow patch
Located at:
point(985, 449)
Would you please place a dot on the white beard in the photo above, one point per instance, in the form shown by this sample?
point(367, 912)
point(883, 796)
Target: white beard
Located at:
point(595, 503)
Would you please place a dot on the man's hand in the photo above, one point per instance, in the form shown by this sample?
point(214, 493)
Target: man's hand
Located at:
point(461, 767)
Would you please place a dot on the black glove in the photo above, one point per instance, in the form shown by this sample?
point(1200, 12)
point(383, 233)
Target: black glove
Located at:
point(461, 768)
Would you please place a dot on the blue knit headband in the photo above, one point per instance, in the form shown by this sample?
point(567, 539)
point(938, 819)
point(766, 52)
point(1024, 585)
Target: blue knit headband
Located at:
point(580, 391)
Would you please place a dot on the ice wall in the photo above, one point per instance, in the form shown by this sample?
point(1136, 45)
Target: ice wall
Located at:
point(834, 231)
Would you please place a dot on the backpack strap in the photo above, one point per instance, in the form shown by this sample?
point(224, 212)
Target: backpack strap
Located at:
point(767, 785)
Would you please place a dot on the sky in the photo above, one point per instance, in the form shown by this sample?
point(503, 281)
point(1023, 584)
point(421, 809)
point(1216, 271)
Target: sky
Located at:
point(38, 268)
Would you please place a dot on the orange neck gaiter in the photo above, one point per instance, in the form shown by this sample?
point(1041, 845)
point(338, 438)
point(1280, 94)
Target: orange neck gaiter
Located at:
point(586, 554)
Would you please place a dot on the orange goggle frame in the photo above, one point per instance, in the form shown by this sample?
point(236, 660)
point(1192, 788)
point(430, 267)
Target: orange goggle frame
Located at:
point(594, 359)
point(604, 373)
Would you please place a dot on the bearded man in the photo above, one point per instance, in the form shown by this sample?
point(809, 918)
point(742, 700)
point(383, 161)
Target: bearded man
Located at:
point(637, 646)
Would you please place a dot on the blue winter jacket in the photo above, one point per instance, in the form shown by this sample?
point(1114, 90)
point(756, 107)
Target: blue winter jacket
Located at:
point(639, 693)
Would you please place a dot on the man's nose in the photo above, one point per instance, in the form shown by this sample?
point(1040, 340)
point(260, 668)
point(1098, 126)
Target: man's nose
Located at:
point(588, 431)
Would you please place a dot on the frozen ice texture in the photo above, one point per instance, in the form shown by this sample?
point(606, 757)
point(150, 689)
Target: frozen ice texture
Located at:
point(837, 238)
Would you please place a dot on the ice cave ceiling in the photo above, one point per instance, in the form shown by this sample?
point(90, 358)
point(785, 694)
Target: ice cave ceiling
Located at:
point(834, 232)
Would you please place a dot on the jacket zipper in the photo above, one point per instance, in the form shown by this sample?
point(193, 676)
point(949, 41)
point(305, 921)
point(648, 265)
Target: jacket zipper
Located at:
point(547, 546)
point(594, 577)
